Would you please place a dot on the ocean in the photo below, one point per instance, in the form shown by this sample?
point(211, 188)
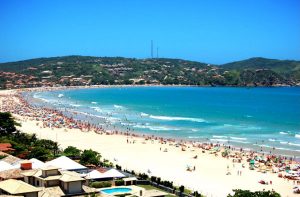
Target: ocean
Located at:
point(244, 117)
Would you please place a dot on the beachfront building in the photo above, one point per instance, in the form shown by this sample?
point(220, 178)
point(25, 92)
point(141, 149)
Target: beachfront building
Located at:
point(18, 188)
point(51, 177)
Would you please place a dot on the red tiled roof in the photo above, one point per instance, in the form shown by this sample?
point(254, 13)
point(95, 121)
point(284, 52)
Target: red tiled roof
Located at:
point(5, 147)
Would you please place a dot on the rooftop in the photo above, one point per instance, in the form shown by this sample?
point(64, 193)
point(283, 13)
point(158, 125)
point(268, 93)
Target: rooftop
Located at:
point(11, 174)
point(70, 176)
point(17, 187)
point(65, 163)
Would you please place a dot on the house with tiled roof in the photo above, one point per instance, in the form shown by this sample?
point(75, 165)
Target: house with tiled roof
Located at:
point(19, 188)
point(6, 147)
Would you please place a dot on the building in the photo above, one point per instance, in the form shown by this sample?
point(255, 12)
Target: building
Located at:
point(50, 176)
point(6, 147)
point(18, 188)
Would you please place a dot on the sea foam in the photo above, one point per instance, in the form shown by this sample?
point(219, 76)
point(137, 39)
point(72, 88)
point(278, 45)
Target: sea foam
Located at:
point(144, 114)
point(155, 128)
point(219, 136)
point(283, 133)
point(118, 107)
point(238, 138)
point(75, 105)
point(172, 118)
point(97, 109)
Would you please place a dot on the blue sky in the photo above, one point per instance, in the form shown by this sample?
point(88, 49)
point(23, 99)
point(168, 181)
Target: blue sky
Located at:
point(213, 31)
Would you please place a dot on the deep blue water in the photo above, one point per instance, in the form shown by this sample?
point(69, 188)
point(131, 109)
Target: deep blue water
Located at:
point(267, 117)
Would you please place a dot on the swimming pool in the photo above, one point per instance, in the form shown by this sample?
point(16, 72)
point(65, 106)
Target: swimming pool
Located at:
point(116, 190)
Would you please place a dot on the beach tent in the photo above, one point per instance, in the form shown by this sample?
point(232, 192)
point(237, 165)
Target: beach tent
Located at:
point(110, 174)
point(94, 174)
point(36, 163)
point(113, 173)
point(65, 163)
point(5, 166)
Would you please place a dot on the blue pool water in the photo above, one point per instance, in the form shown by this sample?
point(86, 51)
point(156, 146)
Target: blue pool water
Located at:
point(116, 190)
point(248, 117)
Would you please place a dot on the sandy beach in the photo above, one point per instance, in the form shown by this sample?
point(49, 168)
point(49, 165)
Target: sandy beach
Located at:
point(135, 153)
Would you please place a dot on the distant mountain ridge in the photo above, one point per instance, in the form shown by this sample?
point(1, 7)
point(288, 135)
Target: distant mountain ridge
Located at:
point(89, 70)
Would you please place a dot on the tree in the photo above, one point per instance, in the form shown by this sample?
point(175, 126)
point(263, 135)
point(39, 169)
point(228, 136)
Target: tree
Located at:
point(90, 157)
point(7, 124)
point(181, 189)
point(48, 144)
point(247, 193)
point(232, 77)
point(40, 153)
point(72, 152)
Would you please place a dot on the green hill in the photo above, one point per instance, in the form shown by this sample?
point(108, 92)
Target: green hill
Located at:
point(287, 68)
point(87, 70)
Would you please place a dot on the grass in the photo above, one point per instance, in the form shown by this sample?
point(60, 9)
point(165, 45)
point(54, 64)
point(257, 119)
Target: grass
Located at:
point(148, 187)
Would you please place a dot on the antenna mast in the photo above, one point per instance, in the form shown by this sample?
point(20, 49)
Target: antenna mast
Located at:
point(152, 49)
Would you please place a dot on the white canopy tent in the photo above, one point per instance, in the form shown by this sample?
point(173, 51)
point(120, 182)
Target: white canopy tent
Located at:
point(36, 163)
point(66, 163)
point(112, 173)
point(95, 174)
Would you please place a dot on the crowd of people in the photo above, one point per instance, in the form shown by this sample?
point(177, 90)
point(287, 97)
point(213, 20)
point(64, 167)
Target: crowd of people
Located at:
point(286, 168)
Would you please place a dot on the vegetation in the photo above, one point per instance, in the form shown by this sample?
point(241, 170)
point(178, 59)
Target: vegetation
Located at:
point(26, 146)
point(160, 182)
point(119, 182)
point(247, 193)
point(72, 152)
point(90, 157)
point(122, 195)
point(86, 70)
point(91, 195)
point(100, 184)
point(7, 124)
point(181, 189)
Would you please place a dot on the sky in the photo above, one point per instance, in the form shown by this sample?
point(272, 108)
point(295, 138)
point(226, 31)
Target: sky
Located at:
point(211, 31)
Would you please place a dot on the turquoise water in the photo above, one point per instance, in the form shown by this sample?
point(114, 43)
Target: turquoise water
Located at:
point(262, 117)
point(116, 190)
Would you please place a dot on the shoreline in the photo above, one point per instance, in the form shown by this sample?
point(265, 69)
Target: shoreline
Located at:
point(258, 148)
point(53, 88)
point(111, 145)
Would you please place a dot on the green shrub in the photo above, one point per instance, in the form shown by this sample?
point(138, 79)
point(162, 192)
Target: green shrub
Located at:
point(181, 189)
point(247, 193)
point(101, 184)
point(122, 195)
point(119, 182)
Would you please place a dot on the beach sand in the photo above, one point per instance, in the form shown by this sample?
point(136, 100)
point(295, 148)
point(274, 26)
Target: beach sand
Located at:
point(209, 178)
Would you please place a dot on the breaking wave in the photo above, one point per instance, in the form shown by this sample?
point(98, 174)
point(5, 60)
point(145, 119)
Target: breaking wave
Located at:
point(172, 118)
